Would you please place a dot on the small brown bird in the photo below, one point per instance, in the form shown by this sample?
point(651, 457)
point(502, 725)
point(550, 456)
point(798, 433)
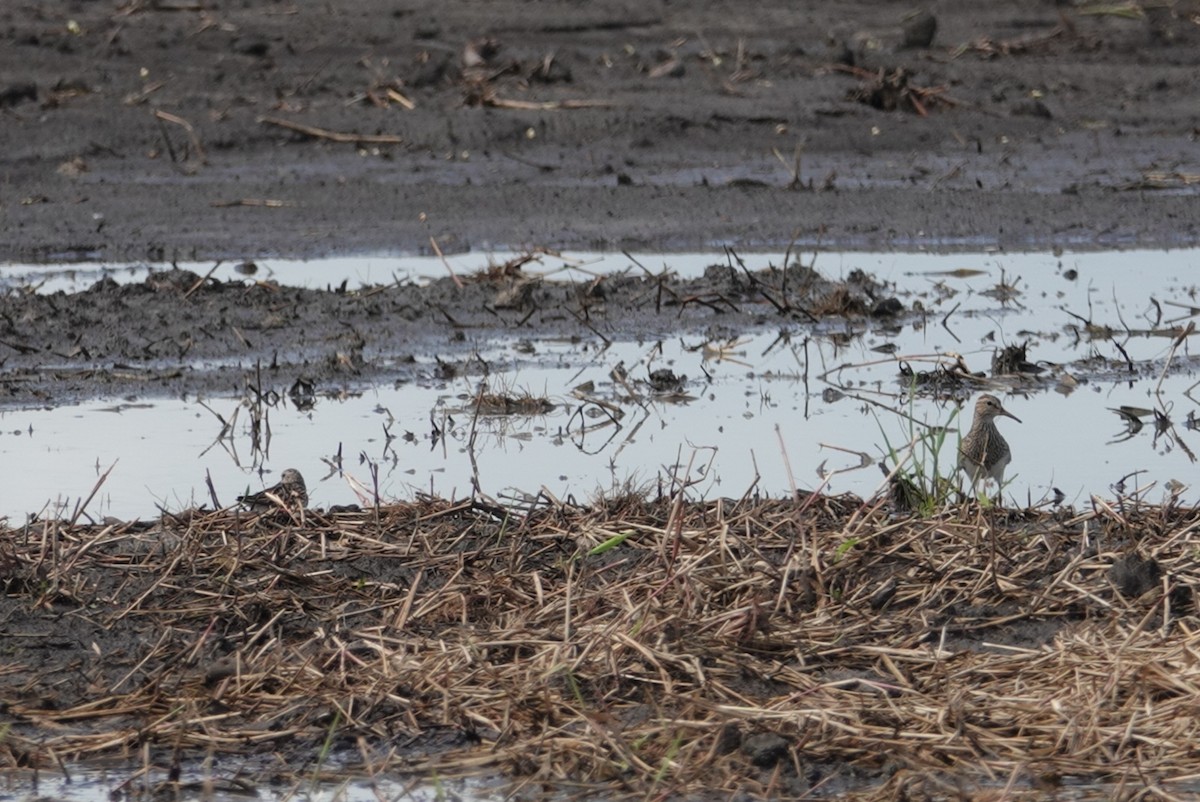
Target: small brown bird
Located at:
point(983, 453)
point(290, 492)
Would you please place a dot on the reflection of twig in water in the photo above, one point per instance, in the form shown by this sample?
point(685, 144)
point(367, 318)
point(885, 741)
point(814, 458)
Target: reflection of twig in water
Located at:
point(807, 392)
point(1163, 427)
point(865, 461)
point(1133, 422)
point(471, 452)
point(784, 337)
point(1192, 310)
point(334, 463)
point(932, 427)
point(388, 437)
point(620, 376)
point(259, 406)
point(946, 322)
point(633, 430)
point(438, 433)
point(225, 438)
point(584, 429)
point(1178, 341)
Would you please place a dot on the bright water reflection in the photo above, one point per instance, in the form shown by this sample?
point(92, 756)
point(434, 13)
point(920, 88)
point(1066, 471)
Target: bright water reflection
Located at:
point(763, 411)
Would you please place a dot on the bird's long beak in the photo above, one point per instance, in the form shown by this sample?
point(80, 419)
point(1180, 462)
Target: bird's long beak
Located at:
point(1008, 414)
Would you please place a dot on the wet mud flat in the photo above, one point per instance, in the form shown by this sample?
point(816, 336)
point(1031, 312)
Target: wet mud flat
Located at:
point(160, 131)
point(645, 645)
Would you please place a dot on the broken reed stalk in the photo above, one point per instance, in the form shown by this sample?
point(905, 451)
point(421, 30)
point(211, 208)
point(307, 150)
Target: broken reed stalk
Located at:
point(95, 489)
point(897, 656)
point(445, 262)
point(195, 157)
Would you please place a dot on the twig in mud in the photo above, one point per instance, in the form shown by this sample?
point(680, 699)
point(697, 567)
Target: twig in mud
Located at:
point(195, 157)
point(449, 318)
point(991, 47)
point(549, 105)
point(544, 168)
point(783, 306)
point(266, 203)
point(795, 181)
point(707, 303)
point(587, 324)
point(200, 281)
point(333, 136)
point(436, 249)
point(889, 90)
point(660, 282)
point(20, 348)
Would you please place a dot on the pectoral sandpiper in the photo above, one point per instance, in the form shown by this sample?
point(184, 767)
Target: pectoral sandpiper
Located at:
point(290, 492)
point(983, 452)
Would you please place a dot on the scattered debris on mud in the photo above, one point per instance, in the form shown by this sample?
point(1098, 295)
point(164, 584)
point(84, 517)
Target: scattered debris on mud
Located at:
point(243, 133)
point(178, 332)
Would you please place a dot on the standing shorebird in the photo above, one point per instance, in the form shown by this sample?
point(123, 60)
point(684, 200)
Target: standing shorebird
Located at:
point(983, 452)
point(290, 493)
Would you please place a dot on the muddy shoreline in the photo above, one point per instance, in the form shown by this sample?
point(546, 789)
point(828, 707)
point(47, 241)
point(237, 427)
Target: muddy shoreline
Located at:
point(182, 333)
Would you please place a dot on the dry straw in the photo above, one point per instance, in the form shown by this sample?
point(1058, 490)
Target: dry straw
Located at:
point(639, 648)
